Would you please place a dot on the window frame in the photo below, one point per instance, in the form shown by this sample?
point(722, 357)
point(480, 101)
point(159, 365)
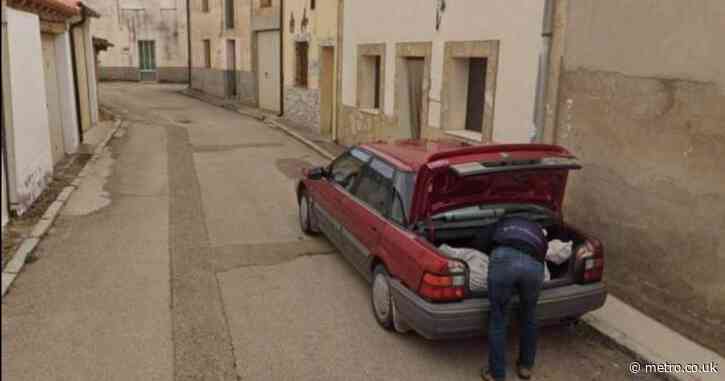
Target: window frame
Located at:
point(302, 63)
point(206, 43)
point(229, 14)
point(347, 153)
point(370, 87)
point(454, 55)
point(390, 188)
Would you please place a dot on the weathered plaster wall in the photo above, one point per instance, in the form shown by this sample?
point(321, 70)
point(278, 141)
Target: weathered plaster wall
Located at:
point(30, 134)
point(515, 24)
point(211, 25)
point(641, 103)
point(125, 22)
point(318, 28)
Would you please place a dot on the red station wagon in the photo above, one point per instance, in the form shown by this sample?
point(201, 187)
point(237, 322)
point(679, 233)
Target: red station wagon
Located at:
point(387, 207)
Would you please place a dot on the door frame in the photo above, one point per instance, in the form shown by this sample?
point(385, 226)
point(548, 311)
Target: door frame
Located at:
point(232, 90)
point(328, 52)
point(56, 134)
point(405, 50)
point(258, 72)
point(141, 70)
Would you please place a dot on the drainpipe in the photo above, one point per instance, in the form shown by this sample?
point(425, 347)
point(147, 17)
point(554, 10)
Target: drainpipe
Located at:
point(74, 60)
point(281, 58)
point(543, 77)
point(188, 41)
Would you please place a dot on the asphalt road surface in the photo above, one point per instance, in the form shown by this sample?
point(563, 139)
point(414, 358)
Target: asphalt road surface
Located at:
point(181, 258)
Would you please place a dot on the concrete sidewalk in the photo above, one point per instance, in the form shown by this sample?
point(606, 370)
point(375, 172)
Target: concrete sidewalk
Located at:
point(653, 342)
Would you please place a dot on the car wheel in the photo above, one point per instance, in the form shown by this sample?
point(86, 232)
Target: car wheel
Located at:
point(305, 215)
point(381, 298)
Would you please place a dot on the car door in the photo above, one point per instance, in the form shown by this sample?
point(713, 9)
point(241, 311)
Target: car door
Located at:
point(364, 215)
point(341, 176)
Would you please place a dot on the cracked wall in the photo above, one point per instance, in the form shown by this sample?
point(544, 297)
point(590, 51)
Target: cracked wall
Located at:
point(125, 22)
point(643, 109)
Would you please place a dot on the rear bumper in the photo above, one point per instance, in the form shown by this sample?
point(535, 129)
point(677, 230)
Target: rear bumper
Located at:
point(470, 317)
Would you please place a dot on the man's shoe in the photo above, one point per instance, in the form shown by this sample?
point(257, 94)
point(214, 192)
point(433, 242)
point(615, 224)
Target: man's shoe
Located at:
point(486, 376)
point(523, 372)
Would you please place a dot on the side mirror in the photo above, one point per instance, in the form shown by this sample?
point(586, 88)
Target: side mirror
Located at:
point(316, 173)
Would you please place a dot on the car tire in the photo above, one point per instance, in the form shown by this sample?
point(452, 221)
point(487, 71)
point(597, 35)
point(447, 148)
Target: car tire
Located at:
point(306, 218)
point(381, 299)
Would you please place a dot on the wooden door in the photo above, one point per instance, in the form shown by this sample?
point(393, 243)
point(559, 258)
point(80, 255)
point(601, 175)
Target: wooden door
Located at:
point(327, 85)
point(268, 70)
point(55, 123)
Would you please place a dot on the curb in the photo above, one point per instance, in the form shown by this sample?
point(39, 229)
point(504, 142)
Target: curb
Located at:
point(249, 113)
point(40, 229)
point(300, 138)
point(268, 119)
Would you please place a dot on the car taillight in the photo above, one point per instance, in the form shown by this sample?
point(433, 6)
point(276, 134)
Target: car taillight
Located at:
point(590, 261)
point(448, 286)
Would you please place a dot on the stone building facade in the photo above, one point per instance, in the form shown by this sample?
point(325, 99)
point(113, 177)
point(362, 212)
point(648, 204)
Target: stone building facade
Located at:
point(235, 47)
point(149, 38)
point(221, 47)
point(310, 63)
point(427, 70)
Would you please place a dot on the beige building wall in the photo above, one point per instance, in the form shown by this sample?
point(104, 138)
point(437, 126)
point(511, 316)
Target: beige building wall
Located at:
point(125, 22)
point(508, 31)
point(318, 28)
point(641, 102)
point(210, 25)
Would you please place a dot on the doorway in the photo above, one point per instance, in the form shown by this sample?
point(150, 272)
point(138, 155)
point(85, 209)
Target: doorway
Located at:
point(147, 60)
point(476, 94)
point(411, 100)
point(268, 70)
point(327, 90)
point(231, 72)
point(52, 94)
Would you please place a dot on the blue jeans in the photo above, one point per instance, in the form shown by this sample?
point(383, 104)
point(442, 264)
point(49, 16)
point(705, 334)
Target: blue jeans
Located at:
point(510, 270)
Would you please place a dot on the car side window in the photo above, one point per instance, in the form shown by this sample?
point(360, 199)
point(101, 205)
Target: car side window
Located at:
point(347, 167)
point(403, 185)
point(376, 186)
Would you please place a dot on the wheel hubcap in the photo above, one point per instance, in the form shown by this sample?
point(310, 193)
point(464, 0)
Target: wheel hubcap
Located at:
point(381, 297)
point(303, 212)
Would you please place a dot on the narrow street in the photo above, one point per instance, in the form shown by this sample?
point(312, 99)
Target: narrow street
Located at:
point(180, 258)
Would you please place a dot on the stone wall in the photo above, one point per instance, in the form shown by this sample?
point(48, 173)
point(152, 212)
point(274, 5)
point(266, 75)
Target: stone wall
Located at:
point(652, 191)
point(173, 74)
point(163, 74)
point(642, 105)
point(303, 106)
point(117, 73)
point(213, 82)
